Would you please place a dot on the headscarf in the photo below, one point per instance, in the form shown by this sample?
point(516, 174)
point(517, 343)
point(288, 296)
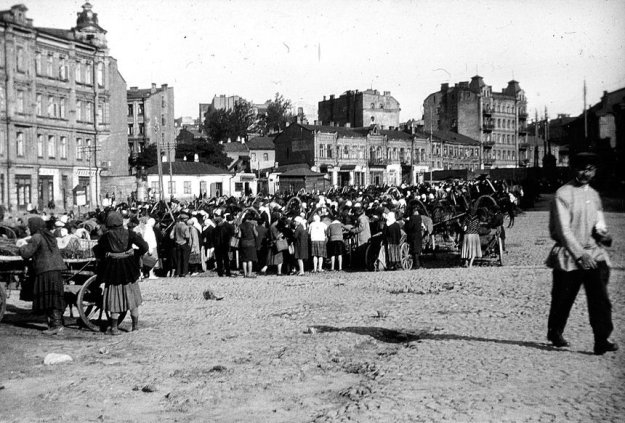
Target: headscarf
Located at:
point(390, 218)
point(117, 234)
point(36, 225)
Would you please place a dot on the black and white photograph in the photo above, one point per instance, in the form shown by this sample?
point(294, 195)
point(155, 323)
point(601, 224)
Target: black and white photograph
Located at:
point(312, 211)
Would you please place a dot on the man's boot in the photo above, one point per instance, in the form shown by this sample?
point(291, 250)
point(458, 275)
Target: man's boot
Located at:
point(556, 339)
point(114, 322)
point(135, 323)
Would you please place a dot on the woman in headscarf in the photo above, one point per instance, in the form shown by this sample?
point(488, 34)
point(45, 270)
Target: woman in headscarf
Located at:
point(149, 236)
point(46, 266)
point(247, 248)
point(195, 256)
point(317, 231)
point(119, 250)
point(471, 246)
point(391, 234)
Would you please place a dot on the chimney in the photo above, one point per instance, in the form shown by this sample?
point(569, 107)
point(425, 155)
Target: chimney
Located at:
point(196, 158)
point(229, 140)
point(164, 86)
point(324, 98)
point(348, 125)
point(153, 89)
point(444, 87)
point(134, 88)
point(387, 93)
point(331, 96)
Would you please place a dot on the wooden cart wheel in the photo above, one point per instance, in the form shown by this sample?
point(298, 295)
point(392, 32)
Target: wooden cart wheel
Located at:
point(371, 257)
point(406, 257)
point(500, 249)
point(90, 304)
point(3, 300)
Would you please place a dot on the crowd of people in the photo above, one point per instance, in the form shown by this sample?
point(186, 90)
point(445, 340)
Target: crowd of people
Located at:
point(295, 233)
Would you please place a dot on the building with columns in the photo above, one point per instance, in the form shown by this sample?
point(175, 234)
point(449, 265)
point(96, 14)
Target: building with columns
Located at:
point(151, 119)
point(59, 106)
point(497, 120)
point(354, 156)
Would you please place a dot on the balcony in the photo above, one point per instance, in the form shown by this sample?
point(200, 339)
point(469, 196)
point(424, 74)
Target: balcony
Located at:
point(488, 144)
point(488, 161)
point(487, 111)
point(488, 126)
point(522, 130)
point(524, 146)
point(522, 115)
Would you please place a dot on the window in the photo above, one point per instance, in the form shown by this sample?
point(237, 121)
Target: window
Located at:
point(253, 157)
point(23, 190)
point(130, 129)
point(50, 66)
point(140, 111)
point(130, 109)
point(89, 74)
point(40, 146)
point(38, 64)
point(373, 105)
point(322, 150)
point(21, 66)
point(89, 111)
point(63, 107)
point(51, 146)
point(163, 121)
point(64, 148)
point(238, 186)
point(265, 156)
point(20, 144)
point(154, 186)
point(141, 129)
point(20, 101)
point(329, 155)
point(62, 69)
point(101, 74)
point(79, 110)
point(2, 141)
point(39, 105)
point(163, 105)
point(78, 72)
point(50, 106)
point(79, 148)
point(187, 187)
point(171, 187)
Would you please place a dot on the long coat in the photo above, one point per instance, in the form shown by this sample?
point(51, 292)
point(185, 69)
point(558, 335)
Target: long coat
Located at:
point(301, 243)
point(414, 234)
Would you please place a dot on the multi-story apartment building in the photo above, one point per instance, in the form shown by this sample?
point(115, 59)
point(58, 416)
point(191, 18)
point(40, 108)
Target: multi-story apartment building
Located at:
point(359, 109)
point(59, 100)
point(151, 119)
point(355, 156)
point(498, 120)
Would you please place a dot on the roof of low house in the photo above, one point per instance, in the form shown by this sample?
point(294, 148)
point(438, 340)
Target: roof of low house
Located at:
point(454, 138)
point(235, 147)
point(396, 135)
point(188, 168)
point(302, 171)
point(340, 130)
point(261, 143)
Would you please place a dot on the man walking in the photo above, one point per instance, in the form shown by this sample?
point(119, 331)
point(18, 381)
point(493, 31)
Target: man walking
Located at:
point(182, 250)
point(221, 241)
point(577, 225)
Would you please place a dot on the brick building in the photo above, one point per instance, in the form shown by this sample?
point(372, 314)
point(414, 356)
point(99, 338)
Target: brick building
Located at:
point(358, 109)
point(60, 116)
point(151, 119)
point(354, 156)
point(497, 120)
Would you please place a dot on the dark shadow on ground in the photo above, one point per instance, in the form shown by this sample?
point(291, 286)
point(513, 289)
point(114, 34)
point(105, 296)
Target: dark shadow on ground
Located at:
point(403, 336)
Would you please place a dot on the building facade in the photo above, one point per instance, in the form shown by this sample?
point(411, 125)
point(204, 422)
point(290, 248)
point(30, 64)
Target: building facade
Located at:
point(355, 156)
point(359, 109)
point(497, 120)
point(151, 119)
point(58, 111)
point(262, 152)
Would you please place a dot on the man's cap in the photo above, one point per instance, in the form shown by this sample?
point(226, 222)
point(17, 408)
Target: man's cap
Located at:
point(583, 159)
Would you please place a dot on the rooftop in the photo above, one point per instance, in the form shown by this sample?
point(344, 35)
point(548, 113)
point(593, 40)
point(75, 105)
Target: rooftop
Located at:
point(188, 168)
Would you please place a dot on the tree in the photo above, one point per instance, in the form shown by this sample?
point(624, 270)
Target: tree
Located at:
point(146, 158)
point(277, 115)
point(209, 152)
point(221, 124)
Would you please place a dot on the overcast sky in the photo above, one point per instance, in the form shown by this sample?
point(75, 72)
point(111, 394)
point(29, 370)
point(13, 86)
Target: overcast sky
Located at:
point(308, 49)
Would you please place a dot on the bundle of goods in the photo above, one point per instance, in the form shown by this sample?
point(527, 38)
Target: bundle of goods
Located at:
point(8, 247)
point(72, 247)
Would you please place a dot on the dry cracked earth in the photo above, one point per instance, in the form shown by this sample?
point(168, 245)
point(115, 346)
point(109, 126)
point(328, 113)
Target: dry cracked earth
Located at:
point(441, 343)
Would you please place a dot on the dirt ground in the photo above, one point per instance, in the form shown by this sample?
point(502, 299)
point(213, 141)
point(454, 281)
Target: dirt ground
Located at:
point(434, 344)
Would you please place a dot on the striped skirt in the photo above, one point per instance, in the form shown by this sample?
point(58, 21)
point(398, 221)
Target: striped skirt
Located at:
point(394, 253)
point(119, 298)
point(319, 249)
point(471, 247)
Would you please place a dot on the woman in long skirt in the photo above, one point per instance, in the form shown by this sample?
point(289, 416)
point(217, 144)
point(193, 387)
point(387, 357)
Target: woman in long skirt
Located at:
point(392, 239)
point(317, 230)
point(471, 246)
point(119, 270)
point(247, 247)
point(47, 265)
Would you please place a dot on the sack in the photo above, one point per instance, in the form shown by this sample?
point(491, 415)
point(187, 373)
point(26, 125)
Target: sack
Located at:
point(281, 245)
point(149, 260)
point(234, 242)
point(291, 249)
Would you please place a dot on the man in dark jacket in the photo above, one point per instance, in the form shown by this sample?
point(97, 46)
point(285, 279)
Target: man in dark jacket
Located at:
point(222, 233)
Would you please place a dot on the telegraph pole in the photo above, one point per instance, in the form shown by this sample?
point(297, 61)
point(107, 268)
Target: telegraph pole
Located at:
point(159, 159)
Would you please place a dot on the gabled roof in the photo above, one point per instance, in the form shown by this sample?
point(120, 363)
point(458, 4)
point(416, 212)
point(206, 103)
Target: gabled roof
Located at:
point(340, 130)
point(396, 135)
point(234, 147)
point(60, 33)
point(261, 143)
point(188, 168)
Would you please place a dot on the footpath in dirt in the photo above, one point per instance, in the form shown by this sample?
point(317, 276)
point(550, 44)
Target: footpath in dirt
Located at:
point(435, 344)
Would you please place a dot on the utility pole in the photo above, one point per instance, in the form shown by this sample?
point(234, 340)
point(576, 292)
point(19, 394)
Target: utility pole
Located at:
point(431, 146)
point(585, 116)
point(159, 159)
